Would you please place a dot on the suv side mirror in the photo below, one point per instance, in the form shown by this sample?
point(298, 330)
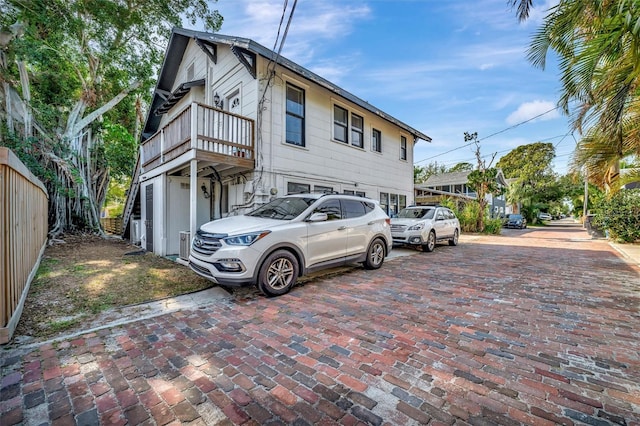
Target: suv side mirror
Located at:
point(318, 217)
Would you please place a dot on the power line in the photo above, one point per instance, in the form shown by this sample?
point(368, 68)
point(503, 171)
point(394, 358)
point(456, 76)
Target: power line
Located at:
point(453, 163)
point(503, 151)
point(520, 124)
point(487, 137)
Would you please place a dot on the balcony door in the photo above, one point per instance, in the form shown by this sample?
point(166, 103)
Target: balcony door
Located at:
point(233, 129)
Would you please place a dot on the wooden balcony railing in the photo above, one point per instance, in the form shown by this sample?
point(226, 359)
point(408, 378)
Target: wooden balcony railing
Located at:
point(204, 128)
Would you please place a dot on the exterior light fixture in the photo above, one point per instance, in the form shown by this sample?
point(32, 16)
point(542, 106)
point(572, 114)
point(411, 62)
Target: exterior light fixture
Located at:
point(217, 102)
point(205, 191)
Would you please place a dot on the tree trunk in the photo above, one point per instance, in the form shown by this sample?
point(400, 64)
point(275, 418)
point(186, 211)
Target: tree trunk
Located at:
point(26, 96)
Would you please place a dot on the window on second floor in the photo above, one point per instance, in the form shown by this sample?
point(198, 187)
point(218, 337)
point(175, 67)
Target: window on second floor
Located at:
point(295, 115)
point(403, 148)
point(340, 124)
point(376, 140)
point(357, 131)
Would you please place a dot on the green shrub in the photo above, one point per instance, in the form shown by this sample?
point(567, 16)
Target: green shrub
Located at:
point(620, 215)
point(493, 226)
point(468, 218)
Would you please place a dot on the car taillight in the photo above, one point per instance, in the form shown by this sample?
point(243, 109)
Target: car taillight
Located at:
point(388, 220)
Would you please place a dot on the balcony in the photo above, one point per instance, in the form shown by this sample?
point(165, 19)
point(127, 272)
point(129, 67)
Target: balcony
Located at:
point(222, 139)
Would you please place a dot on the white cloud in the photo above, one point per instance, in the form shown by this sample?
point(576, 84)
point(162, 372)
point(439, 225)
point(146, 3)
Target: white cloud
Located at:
point(312, 23)
point(529, 110)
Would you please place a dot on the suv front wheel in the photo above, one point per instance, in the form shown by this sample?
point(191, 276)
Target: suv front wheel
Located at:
point(375, 255)
point(278, 273)
point(430, 244)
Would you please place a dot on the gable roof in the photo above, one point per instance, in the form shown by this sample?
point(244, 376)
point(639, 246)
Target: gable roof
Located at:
point(178, 44)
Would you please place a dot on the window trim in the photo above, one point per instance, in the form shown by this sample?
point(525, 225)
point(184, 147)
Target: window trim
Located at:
point(303, 142)
point(375, 148)
point(344, 126)
point(356, 130)
point(403, 148)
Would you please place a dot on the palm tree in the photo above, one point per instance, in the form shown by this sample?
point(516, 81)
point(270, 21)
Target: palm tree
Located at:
point(523, 6)
point(599, 48)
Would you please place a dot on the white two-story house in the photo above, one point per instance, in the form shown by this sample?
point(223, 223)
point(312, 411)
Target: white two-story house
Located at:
point(232, 125)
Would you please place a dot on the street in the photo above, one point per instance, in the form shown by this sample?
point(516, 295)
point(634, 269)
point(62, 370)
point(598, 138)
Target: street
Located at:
point(536, 326)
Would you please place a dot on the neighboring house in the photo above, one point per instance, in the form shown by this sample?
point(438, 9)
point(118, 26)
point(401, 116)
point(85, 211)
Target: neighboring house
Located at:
point(232, 125)
point(454, 185)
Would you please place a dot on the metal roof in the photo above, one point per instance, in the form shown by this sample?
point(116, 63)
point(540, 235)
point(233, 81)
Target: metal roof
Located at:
point(454, 178)
point(175, 51)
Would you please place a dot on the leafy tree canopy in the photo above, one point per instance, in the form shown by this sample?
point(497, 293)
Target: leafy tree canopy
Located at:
point(527, 161)
point(421, 174)
point(530, 168)
point(76, 65)
point(461, 167)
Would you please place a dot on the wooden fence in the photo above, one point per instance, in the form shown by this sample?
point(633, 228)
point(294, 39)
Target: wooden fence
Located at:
point(112, 225)
point(23, 237)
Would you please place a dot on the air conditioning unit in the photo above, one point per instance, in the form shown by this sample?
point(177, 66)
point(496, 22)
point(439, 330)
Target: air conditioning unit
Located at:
point(136, 231)
point(185, 245)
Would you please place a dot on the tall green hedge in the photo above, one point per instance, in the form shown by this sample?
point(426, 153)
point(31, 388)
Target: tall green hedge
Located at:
point(620, 215)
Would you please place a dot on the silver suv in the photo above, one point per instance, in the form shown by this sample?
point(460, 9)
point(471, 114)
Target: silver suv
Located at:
point(424, 226)
point(289, 237)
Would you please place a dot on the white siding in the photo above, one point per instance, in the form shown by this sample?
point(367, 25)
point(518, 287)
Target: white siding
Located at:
point(177, 205)
point(229, 77)
point(324, 161)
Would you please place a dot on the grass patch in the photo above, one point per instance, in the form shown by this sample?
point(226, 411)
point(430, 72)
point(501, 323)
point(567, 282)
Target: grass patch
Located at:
point(63, 325)
point(87, 275)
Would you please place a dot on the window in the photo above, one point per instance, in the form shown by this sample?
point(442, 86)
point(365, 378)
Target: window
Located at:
point(393, 204)
point(190, 72)
point(340, 123)
point(331, 208)
point(402, 202)
point(298, 188)
point(403, 148)
point(322, 189)
point(295, 115)
point(376, 140)
point(384, 202)
point(357, 131)
point(353, 208)
point(349, 192)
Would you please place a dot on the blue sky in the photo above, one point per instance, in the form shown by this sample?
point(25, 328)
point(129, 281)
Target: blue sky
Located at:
point(442, 66)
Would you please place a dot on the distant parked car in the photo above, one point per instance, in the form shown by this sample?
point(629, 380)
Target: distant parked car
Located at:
point(544, 216)
point(515, 221)
point(424, 226)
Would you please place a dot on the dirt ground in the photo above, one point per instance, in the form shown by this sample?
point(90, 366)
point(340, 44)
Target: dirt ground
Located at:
point(81, 276)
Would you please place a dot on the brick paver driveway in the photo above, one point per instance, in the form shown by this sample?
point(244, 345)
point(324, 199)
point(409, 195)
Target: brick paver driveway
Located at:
point(533, 327)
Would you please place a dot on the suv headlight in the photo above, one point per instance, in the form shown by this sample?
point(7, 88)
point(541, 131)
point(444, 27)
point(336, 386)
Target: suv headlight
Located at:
point(245, 239)
point(417, 227)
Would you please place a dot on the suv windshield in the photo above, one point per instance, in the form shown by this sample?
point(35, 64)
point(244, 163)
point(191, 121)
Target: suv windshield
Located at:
point(417, 213)
point(283, 208)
